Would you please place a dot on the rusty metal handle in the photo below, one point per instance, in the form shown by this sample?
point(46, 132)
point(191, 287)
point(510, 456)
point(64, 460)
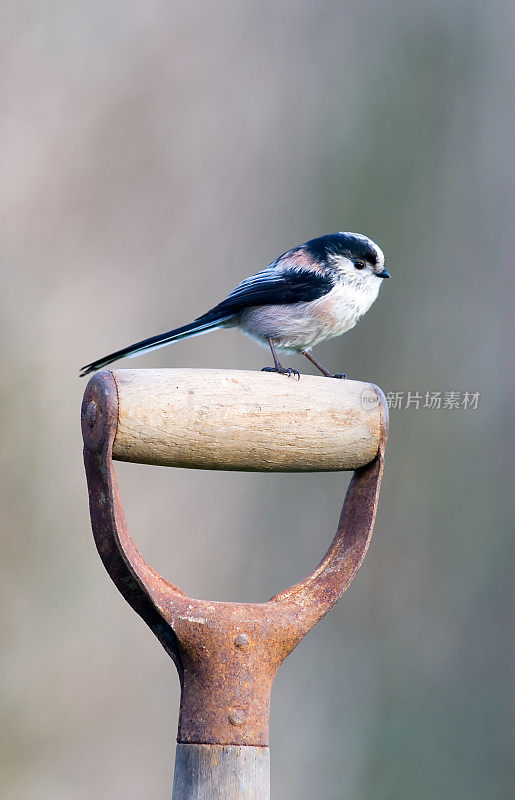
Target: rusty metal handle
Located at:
point(226, 654)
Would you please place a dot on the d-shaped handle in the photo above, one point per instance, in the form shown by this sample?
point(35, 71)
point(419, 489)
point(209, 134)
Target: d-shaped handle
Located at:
point(227, 654)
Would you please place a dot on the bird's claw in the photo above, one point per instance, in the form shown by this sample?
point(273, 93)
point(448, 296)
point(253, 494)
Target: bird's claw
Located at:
point(289, 371)
point(340, 375)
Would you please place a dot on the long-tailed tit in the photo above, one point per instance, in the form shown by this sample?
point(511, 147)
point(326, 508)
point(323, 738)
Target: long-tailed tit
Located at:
point(311, 293)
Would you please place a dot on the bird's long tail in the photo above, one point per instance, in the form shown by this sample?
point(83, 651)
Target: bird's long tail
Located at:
point(208, 322)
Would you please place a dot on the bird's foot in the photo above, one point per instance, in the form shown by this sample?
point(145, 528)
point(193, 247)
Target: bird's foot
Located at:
point(340, 375)
point(289, 371)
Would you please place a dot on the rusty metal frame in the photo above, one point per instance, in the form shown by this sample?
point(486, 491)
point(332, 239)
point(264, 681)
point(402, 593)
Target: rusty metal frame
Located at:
point(226, 654)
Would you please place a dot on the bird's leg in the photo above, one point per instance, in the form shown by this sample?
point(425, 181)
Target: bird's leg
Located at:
point(321, 367)
point(278, 366)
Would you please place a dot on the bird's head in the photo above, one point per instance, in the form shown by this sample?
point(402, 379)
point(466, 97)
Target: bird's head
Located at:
point(354, 257)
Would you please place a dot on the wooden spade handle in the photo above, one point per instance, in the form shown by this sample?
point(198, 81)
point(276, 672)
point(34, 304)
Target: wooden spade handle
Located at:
point(250, 421)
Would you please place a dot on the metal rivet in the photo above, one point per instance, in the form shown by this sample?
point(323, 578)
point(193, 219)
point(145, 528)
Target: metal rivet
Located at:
point(237, 717)
point(242, 640)
point(91, 413)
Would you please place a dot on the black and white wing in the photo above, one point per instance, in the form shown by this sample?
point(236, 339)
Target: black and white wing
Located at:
point(273, 286)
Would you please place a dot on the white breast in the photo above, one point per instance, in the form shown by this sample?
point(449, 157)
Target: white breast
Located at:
point(302, 325)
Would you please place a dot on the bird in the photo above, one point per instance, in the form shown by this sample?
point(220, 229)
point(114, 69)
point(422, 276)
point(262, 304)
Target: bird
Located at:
point(313, 292)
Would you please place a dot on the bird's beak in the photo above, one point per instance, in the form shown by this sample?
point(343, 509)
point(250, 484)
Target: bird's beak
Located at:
point(383, 274)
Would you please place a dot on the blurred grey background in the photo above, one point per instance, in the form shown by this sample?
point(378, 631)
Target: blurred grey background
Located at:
point(152, 154)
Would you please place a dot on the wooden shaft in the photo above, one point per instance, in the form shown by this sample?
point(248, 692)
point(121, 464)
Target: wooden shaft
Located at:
point(241, 420)
point(221, 772)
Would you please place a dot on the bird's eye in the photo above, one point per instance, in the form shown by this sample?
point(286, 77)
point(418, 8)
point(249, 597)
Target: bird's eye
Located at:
point(360, 264)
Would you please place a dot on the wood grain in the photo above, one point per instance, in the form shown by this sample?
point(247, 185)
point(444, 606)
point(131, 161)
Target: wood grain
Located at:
point(242, 420)
point(221, 772)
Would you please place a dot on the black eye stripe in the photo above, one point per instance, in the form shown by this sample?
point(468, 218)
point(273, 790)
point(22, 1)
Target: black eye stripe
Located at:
point(349, 245)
